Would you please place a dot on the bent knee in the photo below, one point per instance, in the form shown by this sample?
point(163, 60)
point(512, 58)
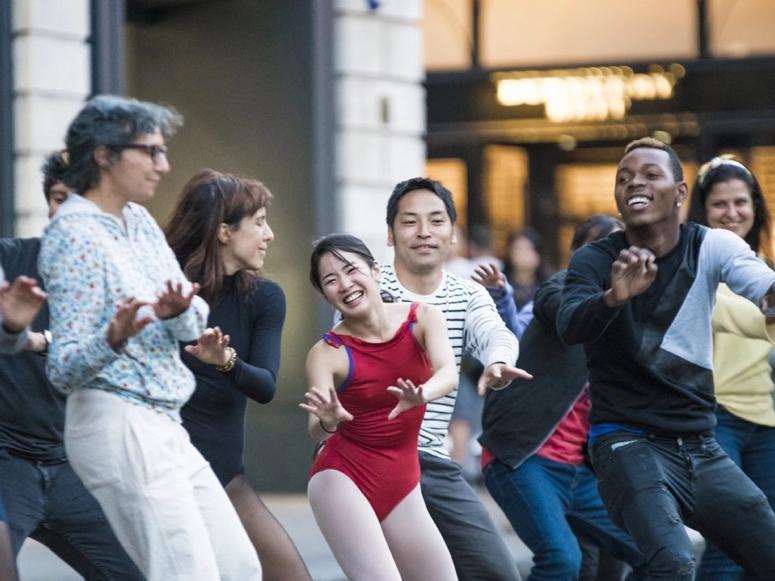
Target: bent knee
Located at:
point(671, 564)
point(558, 563)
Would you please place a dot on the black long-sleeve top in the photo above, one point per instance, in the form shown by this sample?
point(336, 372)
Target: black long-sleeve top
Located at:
point(650, 360)
point(215, 414)
point(32, 412)
point(517, 420)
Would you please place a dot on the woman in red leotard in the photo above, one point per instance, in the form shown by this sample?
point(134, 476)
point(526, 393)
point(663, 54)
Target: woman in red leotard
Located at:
point(370, 378)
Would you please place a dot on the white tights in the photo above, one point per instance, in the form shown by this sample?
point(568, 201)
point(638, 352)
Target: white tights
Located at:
point(406, 545)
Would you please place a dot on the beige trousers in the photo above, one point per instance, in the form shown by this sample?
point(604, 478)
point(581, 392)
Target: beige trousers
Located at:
point(159, 494)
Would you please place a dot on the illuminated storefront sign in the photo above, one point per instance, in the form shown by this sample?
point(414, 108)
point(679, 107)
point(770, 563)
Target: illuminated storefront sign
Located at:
point(586, 94)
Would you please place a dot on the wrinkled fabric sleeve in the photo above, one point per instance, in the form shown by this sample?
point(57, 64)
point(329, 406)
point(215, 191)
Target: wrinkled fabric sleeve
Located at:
point(546, 303)
point(516, 321)
point(256, 376)
point(486, 336)
point(745, 273)
point(191, 323)
point(583, 316)
point(73, 270)
point(737, 316)
point(13, 342)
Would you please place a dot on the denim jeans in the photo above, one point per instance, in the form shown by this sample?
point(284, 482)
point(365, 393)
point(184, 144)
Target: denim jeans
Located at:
point(47, 502)
point(538, 497)
point(652, 485)
point(752, 447)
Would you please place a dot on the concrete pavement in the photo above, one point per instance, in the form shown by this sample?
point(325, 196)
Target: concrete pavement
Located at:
point(37, 563)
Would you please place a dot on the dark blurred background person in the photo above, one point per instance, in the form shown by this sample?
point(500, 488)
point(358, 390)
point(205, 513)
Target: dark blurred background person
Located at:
point(524, 265)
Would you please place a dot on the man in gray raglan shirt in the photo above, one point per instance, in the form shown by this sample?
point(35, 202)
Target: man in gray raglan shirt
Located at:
point(420, 219)
point(641, 302)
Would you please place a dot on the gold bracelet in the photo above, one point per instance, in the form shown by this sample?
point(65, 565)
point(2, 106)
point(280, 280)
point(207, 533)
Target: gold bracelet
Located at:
point(229, 365)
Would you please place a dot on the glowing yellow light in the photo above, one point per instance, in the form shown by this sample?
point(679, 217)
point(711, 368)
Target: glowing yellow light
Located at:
point(584, 94)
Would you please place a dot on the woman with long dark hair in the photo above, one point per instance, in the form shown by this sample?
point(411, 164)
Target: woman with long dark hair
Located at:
point(369, 380)
point(727, 195)
point(220, 234)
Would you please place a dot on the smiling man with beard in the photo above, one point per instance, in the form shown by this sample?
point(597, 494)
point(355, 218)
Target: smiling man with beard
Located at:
point(641, 302)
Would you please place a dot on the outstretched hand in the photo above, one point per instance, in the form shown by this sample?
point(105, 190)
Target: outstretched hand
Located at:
point(20, 302)
point(172, 301)
point(326, 407)
point(498, 375)
point(632, 273)
point(409, 395)
point(211, 347)
point(125, 323)
point(489, 276)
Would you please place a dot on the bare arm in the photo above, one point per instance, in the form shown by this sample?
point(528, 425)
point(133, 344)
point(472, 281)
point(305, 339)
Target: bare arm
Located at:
point(324, 408)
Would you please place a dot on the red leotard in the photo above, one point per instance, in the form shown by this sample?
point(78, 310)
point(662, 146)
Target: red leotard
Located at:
point(377, 454)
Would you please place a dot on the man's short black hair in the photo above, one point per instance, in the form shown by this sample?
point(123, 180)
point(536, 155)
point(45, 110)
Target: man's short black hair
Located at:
point(413, 184)
point(53, 172)
point(651, 143)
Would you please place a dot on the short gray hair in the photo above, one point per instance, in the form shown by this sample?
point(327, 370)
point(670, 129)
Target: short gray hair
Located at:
point(110, 121)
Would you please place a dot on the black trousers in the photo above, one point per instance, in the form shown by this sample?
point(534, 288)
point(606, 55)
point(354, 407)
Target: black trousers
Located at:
point(652, 485)
point(477, 550)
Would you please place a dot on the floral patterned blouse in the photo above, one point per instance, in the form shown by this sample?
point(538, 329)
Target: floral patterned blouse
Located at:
point(91, 262)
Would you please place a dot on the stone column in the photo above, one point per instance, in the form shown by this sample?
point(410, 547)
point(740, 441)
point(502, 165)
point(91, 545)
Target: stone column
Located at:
point(51, 79)
point(380, 111)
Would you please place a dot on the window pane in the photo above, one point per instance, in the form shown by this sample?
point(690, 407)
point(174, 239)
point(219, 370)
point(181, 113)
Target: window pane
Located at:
point(447, 30)
point(741, 28)
point(518, 33)
point(452, 173)
point(505, 176)
point(763, 167)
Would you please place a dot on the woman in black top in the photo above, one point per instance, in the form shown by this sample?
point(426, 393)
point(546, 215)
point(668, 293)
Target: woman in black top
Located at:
point(219, 233)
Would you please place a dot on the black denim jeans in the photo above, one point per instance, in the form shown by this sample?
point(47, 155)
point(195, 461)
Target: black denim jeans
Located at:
point(46, 501)
point(652, 485)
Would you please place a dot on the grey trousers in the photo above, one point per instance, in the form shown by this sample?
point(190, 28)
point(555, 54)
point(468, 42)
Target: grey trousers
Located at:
point(477, 549)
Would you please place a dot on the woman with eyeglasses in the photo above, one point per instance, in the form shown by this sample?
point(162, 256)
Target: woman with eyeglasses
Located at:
point(220, 234)
point(119, 304)
point(727, 195)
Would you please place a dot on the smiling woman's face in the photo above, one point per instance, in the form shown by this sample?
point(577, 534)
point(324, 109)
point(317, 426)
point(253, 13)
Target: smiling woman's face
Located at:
point(729, 205)
point(350, 286)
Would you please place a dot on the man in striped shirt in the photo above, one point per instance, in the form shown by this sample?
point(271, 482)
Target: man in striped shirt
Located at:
point(420, 218)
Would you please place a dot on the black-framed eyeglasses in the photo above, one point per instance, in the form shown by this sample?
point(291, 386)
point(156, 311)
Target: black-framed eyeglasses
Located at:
point(153, 151)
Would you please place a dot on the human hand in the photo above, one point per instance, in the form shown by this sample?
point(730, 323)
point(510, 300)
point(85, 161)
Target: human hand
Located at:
point(211, 347)
point(632, 273)
point(173, 301)
point(408, 395)
point(489, 276)
point(498, 375)
point(20, 302)
point(36, 343)
point(327, 408)
point(125, 323)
